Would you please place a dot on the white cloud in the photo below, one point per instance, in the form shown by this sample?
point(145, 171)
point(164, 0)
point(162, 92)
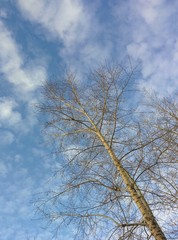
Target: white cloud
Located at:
point(25, 79)
point(74, 24)
point(3, 169)
point(66, 19)
point(3, 13)
point(20, 119)
point(8, 115)
point(150, 10)
point(143, 29)
point(6, 138)
point(154, 42)
point(18, 189)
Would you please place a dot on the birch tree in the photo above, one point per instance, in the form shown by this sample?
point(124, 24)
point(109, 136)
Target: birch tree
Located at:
point(116, 172)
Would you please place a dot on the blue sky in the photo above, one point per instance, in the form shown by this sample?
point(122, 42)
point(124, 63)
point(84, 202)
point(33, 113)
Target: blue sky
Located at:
point(38, 39)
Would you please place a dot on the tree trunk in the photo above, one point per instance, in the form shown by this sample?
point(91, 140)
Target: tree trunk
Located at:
point(136, 194)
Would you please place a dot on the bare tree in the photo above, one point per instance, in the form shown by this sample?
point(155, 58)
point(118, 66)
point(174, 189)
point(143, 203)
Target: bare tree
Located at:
point(116, 176)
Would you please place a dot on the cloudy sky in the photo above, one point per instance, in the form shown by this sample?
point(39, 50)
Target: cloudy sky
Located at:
point(37, 40)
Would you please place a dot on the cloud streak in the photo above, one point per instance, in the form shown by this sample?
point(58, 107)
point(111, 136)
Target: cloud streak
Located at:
point(66, 20)
point(8, 114)
point(25, 79)
point(154, 41)
point(142, 29)
point(83, 34)
point(74, 25)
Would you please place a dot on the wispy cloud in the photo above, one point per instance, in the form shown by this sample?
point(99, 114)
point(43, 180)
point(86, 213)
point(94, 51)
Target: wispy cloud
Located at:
point(66, 20)
point(6, 138)
point(8, 114)
point(3, 169)
point(145, 30)
point(84, 34)
point(154, 41)
point(3, 13)
point(17, 186)
point(12, 64)
point(75, 25)
point(24, 78)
